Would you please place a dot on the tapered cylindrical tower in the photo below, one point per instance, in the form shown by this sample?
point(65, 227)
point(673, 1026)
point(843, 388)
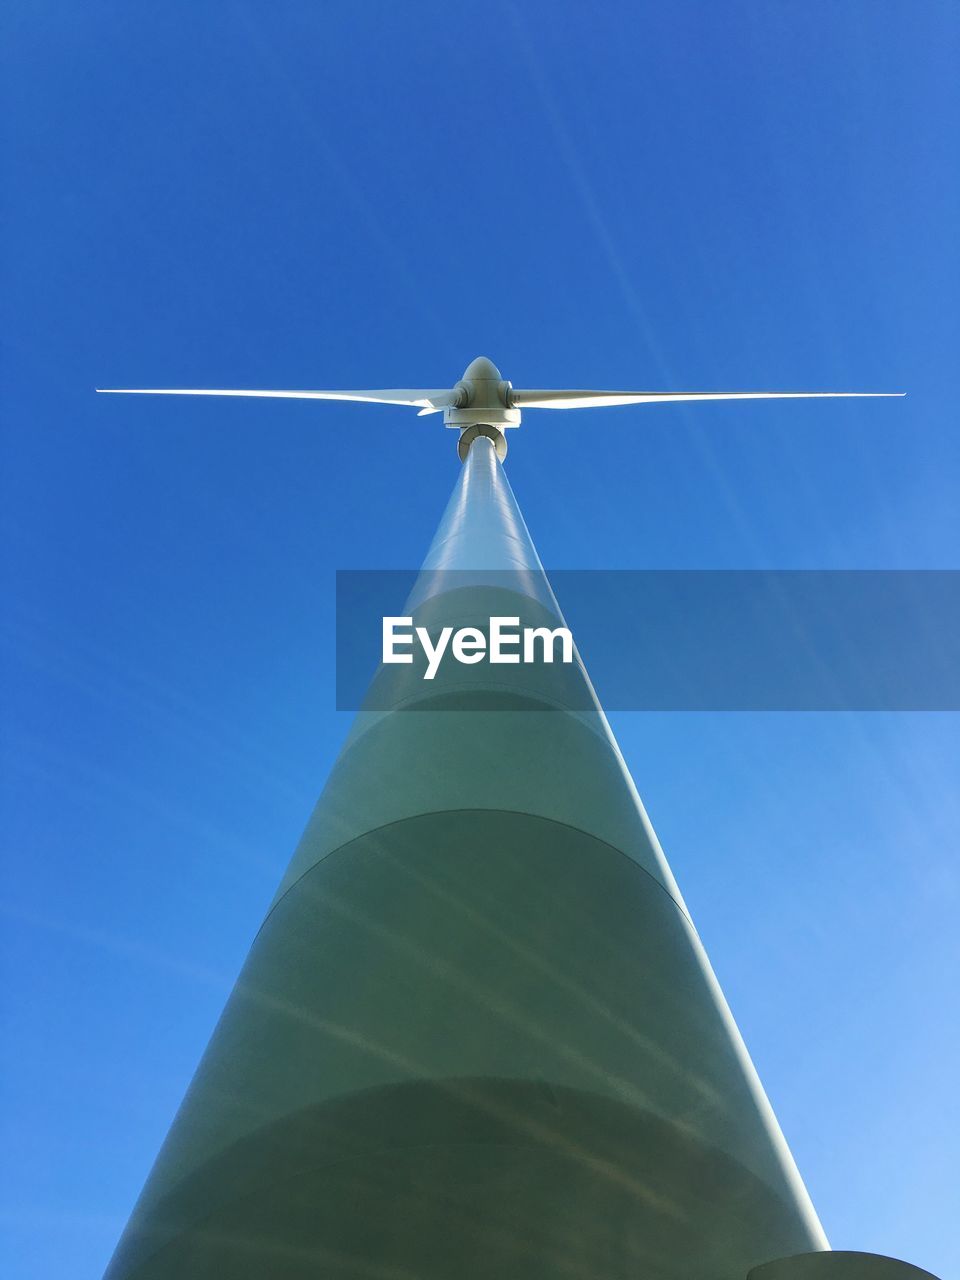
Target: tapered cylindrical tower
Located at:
point(477, 1034)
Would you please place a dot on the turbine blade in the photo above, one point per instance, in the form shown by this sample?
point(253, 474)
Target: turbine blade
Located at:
point(440, 400)
point(431, 400)
point(599, 399)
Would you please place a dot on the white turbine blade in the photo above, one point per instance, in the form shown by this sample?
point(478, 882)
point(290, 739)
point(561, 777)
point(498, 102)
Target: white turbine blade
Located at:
point(440, 400)
point(431, 400)
point(599, 399)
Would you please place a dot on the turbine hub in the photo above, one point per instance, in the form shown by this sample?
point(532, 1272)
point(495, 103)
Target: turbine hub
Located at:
point(483, 400)
point(483, 370)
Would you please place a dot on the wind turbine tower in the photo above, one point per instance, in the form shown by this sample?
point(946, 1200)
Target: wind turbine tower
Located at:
point(477, 1034)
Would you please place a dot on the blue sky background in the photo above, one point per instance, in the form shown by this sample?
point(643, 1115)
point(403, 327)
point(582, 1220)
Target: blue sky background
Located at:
point(675, 196)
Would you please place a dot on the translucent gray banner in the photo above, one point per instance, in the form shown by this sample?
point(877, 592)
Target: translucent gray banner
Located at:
point(658, 640)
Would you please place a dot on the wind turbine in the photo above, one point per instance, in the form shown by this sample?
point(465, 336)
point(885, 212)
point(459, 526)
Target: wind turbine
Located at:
point(483, 403)
point(477, 1033)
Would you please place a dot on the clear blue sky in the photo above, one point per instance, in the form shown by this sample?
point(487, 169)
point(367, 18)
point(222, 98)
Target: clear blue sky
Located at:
point(672, 195)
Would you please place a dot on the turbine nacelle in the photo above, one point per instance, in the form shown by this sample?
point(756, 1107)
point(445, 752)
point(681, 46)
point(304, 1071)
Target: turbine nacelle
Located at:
point(483, 399)
point(483, 403)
